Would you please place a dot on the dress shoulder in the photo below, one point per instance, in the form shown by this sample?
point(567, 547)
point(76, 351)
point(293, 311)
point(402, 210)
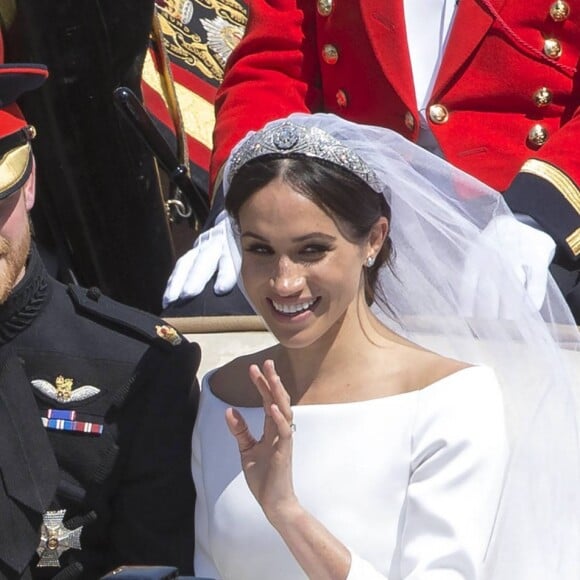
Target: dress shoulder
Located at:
point(464, 410)
point(472, 378)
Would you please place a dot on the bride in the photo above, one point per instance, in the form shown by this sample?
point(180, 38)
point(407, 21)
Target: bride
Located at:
point(415, 419)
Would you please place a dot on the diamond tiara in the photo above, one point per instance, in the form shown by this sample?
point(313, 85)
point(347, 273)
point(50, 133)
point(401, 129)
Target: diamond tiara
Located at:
point(313, 142)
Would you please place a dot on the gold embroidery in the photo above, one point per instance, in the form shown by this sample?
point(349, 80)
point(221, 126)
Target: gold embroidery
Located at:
point(222, 37)
point(179, 9)
point(557, 178)
point(231, 10)
point(189, 48)
point(573, 240)
point(223, 32)
point(63, 388)
point(168, 333)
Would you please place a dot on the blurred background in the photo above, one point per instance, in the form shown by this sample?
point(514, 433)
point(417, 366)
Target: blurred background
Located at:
point(122, 181)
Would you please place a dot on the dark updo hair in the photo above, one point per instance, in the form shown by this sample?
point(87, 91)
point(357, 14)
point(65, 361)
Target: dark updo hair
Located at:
point(348, 200)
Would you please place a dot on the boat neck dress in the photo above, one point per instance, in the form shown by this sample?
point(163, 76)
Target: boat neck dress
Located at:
point(409, 483)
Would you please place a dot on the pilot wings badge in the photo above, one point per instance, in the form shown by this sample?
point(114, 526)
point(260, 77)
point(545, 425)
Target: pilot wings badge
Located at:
point(63, 392)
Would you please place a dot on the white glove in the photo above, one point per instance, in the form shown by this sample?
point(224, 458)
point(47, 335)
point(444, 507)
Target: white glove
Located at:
point(195, 268)
point(525, 250)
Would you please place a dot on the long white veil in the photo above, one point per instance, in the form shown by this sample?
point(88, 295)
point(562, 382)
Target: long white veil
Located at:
point(451, 289)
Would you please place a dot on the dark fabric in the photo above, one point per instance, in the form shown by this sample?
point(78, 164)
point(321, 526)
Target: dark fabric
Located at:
point(28, 470)
point(534, 196)
point(129, 487)
point(208, 303)
point(24, 304)
point(568, 280)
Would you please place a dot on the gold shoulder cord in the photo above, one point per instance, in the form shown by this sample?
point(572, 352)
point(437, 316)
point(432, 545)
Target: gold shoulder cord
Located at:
point(168, 87)
point(175, 205)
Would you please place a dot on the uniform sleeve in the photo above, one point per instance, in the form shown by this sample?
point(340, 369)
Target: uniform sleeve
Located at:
point(154, 503)
point(271, 73)
point(547, 188)
point(458, 461)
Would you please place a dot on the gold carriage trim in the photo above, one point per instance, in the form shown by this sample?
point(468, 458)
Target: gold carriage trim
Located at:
point(557, 178)
point(573, 240)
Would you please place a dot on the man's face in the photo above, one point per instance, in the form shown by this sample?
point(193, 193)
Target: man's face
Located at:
point(14, 237)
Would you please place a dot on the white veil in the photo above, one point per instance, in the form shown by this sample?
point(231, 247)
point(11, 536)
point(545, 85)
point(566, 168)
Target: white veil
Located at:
point(451, 289)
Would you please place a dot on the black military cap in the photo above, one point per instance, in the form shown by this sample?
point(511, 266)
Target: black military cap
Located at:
point(15, 133)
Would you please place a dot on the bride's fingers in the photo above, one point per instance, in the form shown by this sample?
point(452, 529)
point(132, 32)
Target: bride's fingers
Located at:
point(283, 424)
point(261, 383)
point(278, 393)
point(239, 429)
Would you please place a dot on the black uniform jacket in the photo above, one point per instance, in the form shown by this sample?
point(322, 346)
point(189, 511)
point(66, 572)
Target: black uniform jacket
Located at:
point(97, 405)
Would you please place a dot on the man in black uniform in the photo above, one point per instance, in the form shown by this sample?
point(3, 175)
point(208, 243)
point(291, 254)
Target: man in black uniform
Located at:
point(97, 404)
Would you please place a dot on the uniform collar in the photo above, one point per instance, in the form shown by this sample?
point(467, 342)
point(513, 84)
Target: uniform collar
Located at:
point(26, 300)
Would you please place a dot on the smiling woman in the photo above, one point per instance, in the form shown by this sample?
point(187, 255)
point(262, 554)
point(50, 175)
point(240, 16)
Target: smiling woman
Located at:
point(303, 275)
point(343, 197)
point(379, 428)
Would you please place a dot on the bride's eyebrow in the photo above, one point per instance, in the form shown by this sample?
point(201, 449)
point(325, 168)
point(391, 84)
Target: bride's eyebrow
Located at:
point(304, 238)
point(253, 235)
point(315, 235)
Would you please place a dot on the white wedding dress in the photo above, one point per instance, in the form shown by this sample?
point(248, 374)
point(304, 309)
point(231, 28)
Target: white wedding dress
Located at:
point(409, 483)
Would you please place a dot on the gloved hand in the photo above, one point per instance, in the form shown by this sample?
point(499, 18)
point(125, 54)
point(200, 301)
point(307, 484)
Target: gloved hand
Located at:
point(526, 251)
point(195, 268)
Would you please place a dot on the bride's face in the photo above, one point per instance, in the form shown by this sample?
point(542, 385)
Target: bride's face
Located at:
point(300, 272)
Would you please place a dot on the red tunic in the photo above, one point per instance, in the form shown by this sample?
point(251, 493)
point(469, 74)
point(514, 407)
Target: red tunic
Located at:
point(509, 72)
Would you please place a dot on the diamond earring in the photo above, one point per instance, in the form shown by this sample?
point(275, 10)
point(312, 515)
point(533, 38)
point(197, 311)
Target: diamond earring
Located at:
point(370, 262)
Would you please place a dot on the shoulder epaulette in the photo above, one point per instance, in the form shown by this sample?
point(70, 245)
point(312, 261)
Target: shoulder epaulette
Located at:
point(92, 302)
point(547, 194)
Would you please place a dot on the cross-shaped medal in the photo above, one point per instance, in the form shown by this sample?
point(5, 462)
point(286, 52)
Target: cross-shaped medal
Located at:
point(56, 539)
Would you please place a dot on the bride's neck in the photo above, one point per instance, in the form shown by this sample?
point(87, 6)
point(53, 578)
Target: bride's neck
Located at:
point(334, 357)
